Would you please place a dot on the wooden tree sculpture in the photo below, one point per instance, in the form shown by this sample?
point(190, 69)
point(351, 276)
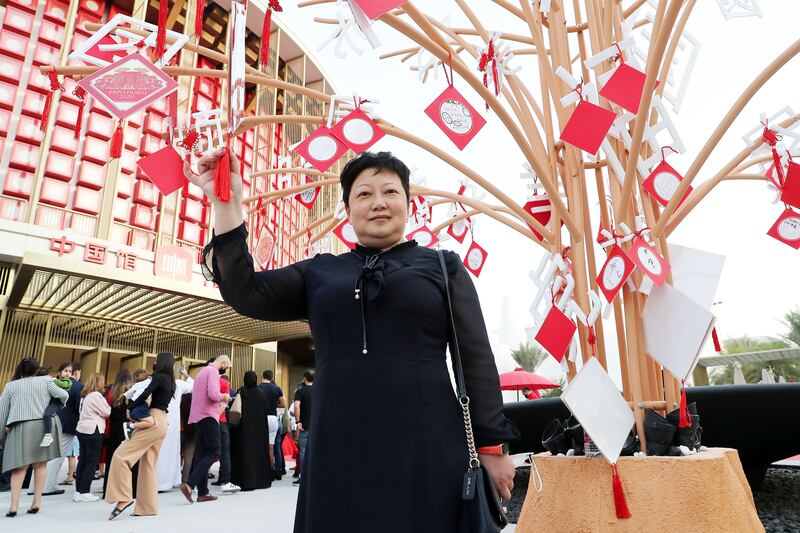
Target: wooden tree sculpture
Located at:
point(591, 45)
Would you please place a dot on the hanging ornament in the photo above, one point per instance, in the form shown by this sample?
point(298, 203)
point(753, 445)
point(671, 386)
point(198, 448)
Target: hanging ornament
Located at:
point(199, 15)
point(476, 258)
point(790, 192)
point(588, 126)
point(646, 258)
point(309, 196)
point(556, 333)
point(424, 237)
point(615, 272)
point(161, 35)
point(80, 94)
point(664, 180)
point(322, 148)
point(357, 130)
point(346, 234)
point(495, 59)
point(626, 85)
point(266, 28)
point(787, 228)
point(454, 115)
point(116, 142)
point(55, 85)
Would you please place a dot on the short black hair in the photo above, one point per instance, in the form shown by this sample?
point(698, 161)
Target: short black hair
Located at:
point(26, 368)
point(76, 367)
point(309, 375)
point(267, 374)
point(378, 162)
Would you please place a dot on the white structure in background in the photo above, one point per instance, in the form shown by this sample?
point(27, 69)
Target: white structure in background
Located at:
point(739, 8)
point(682, 62)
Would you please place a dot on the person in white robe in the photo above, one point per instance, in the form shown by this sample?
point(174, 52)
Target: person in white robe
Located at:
point(169, 458)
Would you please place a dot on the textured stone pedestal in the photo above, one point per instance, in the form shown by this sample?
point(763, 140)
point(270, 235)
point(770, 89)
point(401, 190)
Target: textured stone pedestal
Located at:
point(702, 493)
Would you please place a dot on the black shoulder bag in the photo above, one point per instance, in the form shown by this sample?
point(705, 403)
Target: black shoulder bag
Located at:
point(481, 502)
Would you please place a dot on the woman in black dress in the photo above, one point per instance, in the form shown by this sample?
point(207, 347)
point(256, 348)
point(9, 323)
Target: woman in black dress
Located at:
point(117, 419)
point(378, 316)
point(249, 460)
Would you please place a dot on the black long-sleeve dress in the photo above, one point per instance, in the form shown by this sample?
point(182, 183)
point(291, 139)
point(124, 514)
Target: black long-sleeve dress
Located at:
point(250, 467)
point(409, 475)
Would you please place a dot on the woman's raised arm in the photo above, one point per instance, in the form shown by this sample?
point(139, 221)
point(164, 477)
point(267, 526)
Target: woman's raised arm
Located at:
point(277, 295)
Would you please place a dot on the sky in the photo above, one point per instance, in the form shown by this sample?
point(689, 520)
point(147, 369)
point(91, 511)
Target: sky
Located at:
point(761, 277)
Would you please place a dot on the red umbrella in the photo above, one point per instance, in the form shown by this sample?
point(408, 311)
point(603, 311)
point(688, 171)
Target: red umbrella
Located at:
point(520, 379)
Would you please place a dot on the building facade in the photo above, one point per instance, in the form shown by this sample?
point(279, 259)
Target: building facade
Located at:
point(96, 265)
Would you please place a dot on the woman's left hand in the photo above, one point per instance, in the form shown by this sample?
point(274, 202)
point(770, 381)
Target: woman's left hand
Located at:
point(501, 468)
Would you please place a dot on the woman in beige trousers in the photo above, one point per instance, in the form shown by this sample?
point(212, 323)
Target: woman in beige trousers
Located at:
point(143, 446)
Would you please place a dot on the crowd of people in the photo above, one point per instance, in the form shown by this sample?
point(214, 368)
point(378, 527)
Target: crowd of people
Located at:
point(147, 433)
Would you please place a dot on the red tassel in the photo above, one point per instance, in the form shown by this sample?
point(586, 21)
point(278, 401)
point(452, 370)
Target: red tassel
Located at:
point(54, 86)
point(80, 94)
point(190, 140)
point(161, 36)
point(265, 37)
point(715, 338)
point(116, 142)
point(222, 175)
point(685, 420)
point(200, 8)
point(620, 503)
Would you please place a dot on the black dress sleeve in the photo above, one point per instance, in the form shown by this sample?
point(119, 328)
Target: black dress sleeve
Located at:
point(276, 295)
point(480, 372)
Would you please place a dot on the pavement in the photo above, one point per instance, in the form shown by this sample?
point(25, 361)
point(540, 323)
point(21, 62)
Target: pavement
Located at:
point(268, 510)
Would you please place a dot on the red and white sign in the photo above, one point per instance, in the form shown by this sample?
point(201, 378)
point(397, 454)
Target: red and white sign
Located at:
point(555, 333)
point(541, 209)
point(458, 230)
point(424, 237)
point(663, 182)
point(322, 148)
point(346, 234)
point(787, 229)
point(455, 117)
point(265, 247)
point(588, 126)
point(174, 262)
point(358, 131)
point(130, 84)
point(615, 272)
point(309, 196)
point(625, 87)
point(476, 258)
point(790, 193)
point(645, 257)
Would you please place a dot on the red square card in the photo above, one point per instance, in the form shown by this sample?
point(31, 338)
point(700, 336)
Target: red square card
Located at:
point(130, 84)
point(265, 247)
point(625, 87)
point(358, 131)
point(375, 8)
point(588, 126)
point(541, 209)
point(346, 234)
point(165, 170)
point(645, 257)
point(322, 148)
point(476, 258)
point(615, 272)
point(790, 194)
point(455, 117)
point(309, 196)
point(423, 236)
point(458, 230)
point(663, 182)
point(556, 333)
point(787, 229)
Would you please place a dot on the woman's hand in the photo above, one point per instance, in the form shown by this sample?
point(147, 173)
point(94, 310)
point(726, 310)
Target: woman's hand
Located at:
point(227, 216)
point(501, 468)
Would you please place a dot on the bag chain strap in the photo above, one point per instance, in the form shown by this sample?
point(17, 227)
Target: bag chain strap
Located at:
point(463, 399)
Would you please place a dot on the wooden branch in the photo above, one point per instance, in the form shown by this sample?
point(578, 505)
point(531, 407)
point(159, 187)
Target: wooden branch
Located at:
point(658, 43)
point(726, 122)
